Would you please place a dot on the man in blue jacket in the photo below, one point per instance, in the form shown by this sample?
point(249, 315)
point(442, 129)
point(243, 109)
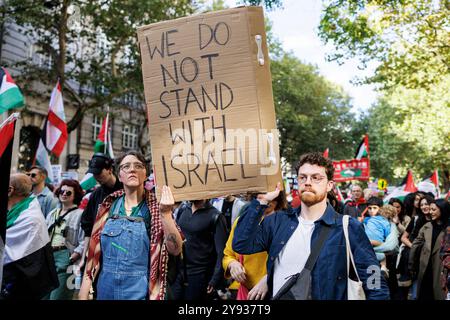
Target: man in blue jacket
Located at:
point(288, 236)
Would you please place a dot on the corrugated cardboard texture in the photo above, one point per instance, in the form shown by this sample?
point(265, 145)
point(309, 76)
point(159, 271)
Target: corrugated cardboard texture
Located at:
point(202, 72)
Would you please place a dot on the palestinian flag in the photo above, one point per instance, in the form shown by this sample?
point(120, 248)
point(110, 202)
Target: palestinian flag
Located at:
point(88, 182)
point(430, 184)
point(407, 186)
point(26, 230)
point(27, 249)
point(338, 193)
point(10, 95)
point(6, 144)
point(103, 144)
point(325, 153)
point(363, 148)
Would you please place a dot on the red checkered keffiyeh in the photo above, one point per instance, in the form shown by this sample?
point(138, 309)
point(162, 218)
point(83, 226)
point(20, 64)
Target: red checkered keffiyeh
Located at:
point(159, 255)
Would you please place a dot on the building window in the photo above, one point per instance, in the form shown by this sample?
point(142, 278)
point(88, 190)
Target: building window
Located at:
point(97, 126)
point(129, 136)
point(38, 58)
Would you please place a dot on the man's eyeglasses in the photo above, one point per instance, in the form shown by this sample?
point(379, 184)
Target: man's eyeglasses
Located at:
point(65, 192)
point(32, 175)
point(126, 167)
point(315, 178)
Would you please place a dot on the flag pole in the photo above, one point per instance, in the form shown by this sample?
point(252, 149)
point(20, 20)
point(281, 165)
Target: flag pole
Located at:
point(106, 129)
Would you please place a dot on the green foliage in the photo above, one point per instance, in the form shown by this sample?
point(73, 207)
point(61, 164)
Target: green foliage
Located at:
point(409, 38)
point(409, 129)
point(268, 4)
point(215, 5)
point(313, 114)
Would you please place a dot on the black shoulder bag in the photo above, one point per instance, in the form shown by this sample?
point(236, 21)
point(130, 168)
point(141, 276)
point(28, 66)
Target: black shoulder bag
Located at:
point(298, 286)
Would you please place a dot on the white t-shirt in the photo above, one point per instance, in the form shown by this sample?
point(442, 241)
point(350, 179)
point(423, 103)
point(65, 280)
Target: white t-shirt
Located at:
point(293, 256)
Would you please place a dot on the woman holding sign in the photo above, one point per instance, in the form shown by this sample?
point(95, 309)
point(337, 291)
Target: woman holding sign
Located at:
point(134, 237)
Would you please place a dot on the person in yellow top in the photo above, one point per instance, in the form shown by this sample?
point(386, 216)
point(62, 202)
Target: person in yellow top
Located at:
point(250, 270)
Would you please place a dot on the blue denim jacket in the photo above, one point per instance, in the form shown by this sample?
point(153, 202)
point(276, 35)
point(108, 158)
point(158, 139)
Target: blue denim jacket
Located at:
point(329, 276)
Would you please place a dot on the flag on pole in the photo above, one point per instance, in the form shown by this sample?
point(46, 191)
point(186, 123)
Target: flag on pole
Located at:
point(42, 159)
point(409, 185)
point(325, 153)
point(430, 184)
point(10, 95)
point(55, 129)
point(88, 182)
point(6, 145)
point(406, 186)
point(363, 148)
point(103, 144)
point(100, 143)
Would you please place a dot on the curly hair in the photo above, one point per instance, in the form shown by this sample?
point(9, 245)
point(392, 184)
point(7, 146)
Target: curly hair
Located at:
point(316, 158)
point(78, 191)
point(388, 211)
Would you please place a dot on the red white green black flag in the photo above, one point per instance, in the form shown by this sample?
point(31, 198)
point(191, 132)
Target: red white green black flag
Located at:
point(363, 149)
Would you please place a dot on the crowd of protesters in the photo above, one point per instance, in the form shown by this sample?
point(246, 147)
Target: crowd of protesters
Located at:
point(128, 246)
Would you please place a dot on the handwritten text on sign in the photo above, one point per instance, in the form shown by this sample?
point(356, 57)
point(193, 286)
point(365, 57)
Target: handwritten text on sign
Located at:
point(201, 107)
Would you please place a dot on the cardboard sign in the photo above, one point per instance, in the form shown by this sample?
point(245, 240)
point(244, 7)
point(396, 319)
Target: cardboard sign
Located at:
point(346, 170)
point(209, 100)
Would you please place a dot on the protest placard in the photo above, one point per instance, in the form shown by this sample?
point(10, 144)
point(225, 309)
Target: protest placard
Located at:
point(210, 107)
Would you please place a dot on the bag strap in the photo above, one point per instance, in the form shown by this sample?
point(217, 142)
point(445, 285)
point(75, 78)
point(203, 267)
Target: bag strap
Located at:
point(213, 222)
point(323, 235)
point(59, 220)
point(345, 221)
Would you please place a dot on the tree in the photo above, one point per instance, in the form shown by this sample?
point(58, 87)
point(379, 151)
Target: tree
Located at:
point(269, 4)
point(93, 46)
point(408, 38)
point(312, 113)
point(409, 130)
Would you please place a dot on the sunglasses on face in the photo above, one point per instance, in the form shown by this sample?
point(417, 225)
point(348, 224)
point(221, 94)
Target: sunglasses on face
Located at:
point(65, 192)
point(32, 175)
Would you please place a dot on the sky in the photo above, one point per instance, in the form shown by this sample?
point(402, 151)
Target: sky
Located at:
point(296, 26)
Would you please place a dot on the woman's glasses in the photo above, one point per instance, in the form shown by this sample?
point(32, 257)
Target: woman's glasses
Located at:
point(65, 192)
point(315, 178)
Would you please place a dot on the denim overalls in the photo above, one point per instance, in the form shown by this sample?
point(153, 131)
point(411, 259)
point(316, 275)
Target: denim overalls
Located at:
point(125, 256)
